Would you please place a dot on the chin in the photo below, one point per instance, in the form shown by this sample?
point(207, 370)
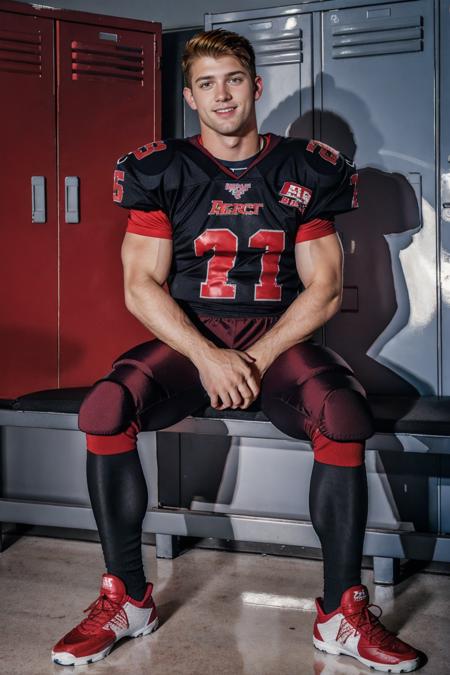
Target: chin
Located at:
point(229, 130)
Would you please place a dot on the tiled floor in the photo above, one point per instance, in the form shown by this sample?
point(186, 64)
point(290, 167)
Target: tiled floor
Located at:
point(221, 613)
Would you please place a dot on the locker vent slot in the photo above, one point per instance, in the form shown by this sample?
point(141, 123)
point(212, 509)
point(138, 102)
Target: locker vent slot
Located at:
point(117, 62)
point(278, 50)
point(378, 36)
point(20, 52)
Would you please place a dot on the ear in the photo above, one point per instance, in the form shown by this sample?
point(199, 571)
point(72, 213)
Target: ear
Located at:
point(187, 93)
point(258, 87)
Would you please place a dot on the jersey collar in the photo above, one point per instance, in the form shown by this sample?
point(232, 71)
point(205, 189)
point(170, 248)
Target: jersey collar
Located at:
point(271, 140)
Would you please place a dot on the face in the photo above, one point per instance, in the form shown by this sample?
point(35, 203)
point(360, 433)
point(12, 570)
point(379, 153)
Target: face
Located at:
point(223, 84)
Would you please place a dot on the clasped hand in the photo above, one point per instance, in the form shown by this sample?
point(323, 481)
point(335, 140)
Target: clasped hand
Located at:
point(231, 378)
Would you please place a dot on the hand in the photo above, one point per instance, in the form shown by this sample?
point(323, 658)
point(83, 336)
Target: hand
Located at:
point(229, 377)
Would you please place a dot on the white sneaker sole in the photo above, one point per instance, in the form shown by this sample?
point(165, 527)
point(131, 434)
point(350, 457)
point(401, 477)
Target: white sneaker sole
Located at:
point(403, 667)
point(67, 659)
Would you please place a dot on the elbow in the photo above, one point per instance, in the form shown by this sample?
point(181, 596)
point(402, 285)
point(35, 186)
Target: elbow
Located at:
point(132, 293)
point(130, 299)
point(335, 301)
point(137, 291)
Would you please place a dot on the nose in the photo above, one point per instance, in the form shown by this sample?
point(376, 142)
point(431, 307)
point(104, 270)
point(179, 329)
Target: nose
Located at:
point(222, 92)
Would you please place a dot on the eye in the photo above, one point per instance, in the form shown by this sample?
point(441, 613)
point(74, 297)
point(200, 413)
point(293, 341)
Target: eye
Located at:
point(202, 85)
point(237, 79)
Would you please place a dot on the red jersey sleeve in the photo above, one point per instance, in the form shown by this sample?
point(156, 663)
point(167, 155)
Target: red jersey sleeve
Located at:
point(149, 224)
point(314, 229)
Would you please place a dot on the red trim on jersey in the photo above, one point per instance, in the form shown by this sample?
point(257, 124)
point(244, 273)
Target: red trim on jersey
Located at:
point(271, 140)
point(314, 229)
point(149, 224)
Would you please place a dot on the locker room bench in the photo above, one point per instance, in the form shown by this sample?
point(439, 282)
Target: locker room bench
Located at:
point(401, 423)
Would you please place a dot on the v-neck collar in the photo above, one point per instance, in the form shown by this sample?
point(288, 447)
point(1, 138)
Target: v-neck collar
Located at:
point(271, 140)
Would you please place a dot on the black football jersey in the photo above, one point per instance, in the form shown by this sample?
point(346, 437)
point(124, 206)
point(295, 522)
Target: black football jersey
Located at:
point(234, 237)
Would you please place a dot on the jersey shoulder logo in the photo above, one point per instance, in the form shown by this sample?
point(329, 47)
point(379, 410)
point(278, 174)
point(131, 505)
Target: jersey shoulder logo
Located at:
point(238, 189)
point(293, 194)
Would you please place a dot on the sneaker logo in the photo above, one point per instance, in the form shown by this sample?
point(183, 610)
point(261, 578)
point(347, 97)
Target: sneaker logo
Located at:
point(358, 596)
point(345, 631)
point(118, 622)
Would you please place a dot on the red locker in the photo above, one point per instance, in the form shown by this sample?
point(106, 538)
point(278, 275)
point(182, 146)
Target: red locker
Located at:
point(29, 250)
point(82, 90)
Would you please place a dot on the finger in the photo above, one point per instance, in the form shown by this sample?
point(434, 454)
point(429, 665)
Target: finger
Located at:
point(225, 401)
point(214, 400)
point(246, 394)
point(236, 398)
point(253, 384)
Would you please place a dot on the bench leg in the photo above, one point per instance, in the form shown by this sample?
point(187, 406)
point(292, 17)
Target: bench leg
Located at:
point(386, 570)
point(167, 546)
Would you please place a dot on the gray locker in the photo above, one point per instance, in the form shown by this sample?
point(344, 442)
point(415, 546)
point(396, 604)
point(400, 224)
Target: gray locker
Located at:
point(374, 58)
point(443, 190)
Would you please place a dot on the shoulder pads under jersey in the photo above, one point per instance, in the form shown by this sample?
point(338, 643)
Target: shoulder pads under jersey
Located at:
point(333, 179)
point(139, 176)
point(323, 158)
point(151, 158)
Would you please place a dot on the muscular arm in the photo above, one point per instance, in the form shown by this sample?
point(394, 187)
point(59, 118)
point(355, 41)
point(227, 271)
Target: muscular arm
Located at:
point(146, 264)
point(320, 266)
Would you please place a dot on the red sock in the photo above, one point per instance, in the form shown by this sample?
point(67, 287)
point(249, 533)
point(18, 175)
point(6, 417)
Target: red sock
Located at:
point(337, 453)
point(113, 445)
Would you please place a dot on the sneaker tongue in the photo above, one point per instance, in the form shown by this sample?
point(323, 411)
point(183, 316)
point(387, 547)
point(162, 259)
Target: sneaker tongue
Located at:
point(354, 599)
point(113, 587)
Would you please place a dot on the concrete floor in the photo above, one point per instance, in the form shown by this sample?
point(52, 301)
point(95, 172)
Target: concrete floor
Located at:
point(221, 613)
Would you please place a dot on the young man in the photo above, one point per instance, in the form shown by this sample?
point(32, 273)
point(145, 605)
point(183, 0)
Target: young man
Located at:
point(237, 223)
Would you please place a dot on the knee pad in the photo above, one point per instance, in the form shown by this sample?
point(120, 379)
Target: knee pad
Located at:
point(107, 409)
point(346, 416)
point(337, 406)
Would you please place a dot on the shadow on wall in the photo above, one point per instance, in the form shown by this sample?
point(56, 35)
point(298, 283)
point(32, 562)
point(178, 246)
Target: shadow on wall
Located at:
point(376, 304)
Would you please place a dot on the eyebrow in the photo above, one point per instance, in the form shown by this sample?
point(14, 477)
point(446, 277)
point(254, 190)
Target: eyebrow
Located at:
point(211, 77)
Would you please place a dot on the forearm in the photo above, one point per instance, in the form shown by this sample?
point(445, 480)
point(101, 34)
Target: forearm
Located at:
point(163, 317)
point(309, 311)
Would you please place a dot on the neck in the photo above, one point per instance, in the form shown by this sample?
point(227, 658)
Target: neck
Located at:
point(231, 147)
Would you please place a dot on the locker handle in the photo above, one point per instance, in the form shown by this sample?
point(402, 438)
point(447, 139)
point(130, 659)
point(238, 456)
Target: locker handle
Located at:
point(71, 189)
point(38, 203)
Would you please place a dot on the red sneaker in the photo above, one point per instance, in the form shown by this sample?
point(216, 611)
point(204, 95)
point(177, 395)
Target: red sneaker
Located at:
point(113, 616)
point(352, 629)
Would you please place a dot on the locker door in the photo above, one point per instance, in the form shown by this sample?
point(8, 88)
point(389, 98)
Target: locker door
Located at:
point(378, 99)
point(28, 269)
point(107, 106)
point(283, 59)
point(444, 122)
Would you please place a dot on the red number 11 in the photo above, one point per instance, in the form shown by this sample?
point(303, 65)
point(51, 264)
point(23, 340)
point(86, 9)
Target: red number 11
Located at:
point(225, 245)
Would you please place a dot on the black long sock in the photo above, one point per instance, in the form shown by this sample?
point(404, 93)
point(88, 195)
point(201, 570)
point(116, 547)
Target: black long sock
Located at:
point(119, 499)
point(338, 508)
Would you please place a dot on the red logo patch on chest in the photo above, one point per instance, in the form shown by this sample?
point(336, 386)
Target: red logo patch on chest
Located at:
point(293, 194)
point(237, 189)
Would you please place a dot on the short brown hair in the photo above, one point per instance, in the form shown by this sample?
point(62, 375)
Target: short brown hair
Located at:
point(215, 43)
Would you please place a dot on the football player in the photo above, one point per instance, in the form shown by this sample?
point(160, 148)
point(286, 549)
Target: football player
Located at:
point(241, 227)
